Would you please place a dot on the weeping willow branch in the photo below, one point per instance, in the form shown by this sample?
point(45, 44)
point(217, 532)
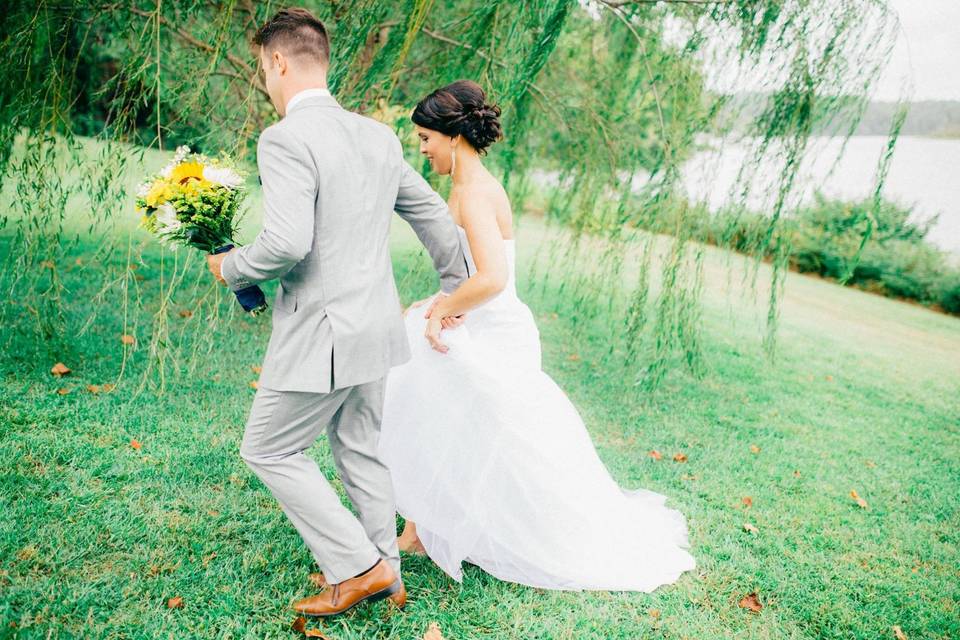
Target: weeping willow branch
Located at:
point(548, 101)
point(616, 4)
point(646, 65)
point(185, 36)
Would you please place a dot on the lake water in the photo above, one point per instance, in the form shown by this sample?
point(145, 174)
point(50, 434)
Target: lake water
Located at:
point(924, 174)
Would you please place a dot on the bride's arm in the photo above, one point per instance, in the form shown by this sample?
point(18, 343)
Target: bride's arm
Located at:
point(486, 244)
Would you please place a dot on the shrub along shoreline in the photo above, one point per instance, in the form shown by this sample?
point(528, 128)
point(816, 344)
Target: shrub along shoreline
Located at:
point(824, 238)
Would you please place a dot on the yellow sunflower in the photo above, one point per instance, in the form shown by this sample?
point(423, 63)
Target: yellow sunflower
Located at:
point(185, 171)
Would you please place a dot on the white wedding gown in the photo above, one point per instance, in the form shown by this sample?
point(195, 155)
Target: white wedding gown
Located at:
point(495, 466)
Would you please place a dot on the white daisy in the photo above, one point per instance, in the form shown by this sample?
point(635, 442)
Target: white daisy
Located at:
point(222, 176)
point(167, 218)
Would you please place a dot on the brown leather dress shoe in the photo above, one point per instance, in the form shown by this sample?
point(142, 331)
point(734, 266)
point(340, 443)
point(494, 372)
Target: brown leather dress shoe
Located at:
point(399, 599)
point(377, 583)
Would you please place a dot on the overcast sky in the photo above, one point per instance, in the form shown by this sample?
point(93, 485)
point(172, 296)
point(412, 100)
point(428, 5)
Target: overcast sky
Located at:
point(928, 49)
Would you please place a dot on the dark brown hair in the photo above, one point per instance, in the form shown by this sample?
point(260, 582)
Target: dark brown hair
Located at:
point(461, 108)
point(297, 32)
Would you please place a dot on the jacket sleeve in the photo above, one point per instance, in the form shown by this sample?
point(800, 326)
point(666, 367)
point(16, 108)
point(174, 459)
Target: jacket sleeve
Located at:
point(427, 213)
point(290, 184)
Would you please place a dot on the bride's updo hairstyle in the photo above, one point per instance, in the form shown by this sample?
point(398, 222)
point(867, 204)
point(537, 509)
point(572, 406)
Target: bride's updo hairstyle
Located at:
point(461, 108)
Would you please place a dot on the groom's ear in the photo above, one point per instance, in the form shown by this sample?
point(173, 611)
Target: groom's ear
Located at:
point(280, 62)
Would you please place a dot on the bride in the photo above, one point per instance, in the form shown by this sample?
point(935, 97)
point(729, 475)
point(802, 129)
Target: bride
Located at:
point(491, 463)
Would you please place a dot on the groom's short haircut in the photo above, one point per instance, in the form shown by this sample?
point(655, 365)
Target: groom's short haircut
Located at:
point(297, 33)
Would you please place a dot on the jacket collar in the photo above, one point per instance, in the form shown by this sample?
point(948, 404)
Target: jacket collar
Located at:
point(313, 101)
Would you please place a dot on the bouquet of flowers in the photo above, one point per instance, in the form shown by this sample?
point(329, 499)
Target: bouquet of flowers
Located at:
point(194, 201)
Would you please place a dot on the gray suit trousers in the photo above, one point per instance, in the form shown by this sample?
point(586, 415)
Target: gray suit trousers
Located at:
point(281, 426)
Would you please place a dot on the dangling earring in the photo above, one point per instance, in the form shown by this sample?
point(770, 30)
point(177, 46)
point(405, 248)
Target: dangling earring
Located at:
point(453, 160)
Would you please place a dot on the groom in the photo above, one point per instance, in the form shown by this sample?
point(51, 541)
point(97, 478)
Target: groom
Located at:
point(331, 181)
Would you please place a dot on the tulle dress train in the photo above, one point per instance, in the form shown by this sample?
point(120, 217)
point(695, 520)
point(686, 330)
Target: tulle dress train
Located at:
point(492, 461)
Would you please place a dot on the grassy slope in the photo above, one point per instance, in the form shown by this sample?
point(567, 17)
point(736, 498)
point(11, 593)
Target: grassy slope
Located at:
point(95, 535)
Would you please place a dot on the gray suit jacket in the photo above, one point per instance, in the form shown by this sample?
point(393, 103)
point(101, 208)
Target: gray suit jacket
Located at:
point(331, 182)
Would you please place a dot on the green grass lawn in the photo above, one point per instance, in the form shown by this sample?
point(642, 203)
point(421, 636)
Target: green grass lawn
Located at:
point(97, 534)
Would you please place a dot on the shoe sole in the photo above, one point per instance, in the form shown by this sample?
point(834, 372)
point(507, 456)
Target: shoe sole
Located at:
point(373, 597)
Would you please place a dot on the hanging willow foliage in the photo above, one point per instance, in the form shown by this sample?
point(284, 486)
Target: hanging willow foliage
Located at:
point(603, 102)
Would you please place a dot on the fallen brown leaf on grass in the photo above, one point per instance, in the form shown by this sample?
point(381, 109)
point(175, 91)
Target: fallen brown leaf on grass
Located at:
point(747, 501)
point(256, 369)
point(300, 626)
point(656, 455)
point(860, 501)
point(796, 474)
point(185, 313)
point(898, 633)
point(573, 357)
point(175, 603)
point(654, 613)
point(136, 444)
point(751, 601)
point(254, 384)
point(127, 339)
point(754, 449)
point(433, 632)
point(63, 391)
point(679, 457)
point(829, 378)
point(60, 369)
point(749, 528)
point(94, 388)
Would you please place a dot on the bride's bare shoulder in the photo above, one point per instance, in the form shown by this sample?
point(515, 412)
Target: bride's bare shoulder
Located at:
point(488, 195)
